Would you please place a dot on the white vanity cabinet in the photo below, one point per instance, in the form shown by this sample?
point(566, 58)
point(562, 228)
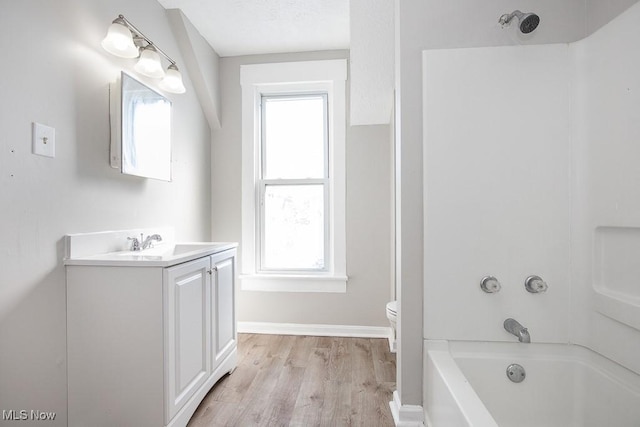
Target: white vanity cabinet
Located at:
point(145, 343)
point(188, 332)
point(223, 303)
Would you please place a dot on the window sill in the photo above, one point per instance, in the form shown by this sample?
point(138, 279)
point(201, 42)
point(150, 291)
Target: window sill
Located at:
point(293, 283)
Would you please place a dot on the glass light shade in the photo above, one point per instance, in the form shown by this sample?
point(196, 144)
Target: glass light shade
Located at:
point(119, 41)
point(172, 81)
point(149, 63)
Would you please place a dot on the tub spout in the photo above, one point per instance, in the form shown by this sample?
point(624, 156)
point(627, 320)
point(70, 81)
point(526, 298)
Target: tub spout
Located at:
point(515, 328)
point(523, 336)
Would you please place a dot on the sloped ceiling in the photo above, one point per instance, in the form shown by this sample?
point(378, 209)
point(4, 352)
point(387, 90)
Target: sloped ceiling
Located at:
point(365, 27)
point(250, 27)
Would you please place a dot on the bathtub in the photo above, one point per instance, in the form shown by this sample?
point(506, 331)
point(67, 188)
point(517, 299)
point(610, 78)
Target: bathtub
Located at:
point(465, 384)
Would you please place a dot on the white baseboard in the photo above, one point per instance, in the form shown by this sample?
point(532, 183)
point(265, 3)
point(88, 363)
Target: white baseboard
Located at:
point(315, 330)
point(406, 415)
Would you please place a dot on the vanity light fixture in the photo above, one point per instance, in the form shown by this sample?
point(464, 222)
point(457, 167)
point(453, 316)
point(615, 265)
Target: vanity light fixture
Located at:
point(123, 39)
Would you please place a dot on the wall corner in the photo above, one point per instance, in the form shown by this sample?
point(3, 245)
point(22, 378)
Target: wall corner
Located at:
point(202, 65)
point(406, 415)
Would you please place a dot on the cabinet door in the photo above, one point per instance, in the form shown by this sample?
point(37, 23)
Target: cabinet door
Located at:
point(187, 331)
point(223, 302)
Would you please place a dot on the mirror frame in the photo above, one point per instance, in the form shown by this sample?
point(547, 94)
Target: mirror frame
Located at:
point(119, 131)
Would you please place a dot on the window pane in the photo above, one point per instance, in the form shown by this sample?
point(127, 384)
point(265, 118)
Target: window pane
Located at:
point(294, 227)
point(294, 137)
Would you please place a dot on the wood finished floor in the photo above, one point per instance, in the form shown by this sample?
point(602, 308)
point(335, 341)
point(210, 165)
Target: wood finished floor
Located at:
point(284, 380)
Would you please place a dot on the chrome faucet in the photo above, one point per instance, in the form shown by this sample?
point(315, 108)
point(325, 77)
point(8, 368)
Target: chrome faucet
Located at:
point(135, 243)
point(149, 240)
point(138, 245)
point(513, 327)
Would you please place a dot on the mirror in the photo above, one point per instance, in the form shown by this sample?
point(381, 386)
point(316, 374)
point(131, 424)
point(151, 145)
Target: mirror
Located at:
point(140, 130)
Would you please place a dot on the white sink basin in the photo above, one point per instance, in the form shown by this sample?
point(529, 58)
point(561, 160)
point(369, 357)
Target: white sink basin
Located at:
point(170, 250)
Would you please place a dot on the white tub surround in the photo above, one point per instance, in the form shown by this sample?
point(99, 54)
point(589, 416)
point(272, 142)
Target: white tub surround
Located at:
point(466, 384)
point(605, 196)
point(497, 173)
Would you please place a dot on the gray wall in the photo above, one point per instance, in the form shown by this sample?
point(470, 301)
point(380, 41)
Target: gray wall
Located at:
point(599, 12)
point(463, 23)
point(55, 72)
point(368, 156)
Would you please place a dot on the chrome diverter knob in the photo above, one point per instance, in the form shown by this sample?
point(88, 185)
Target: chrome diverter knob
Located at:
point(535, 285)
point(490, 285)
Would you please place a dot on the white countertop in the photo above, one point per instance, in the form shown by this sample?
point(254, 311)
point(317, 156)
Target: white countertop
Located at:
point(162, 255)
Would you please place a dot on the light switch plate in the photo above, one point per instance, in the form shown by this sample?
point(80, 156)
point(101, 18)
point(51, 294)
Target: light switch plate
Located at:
point(43, 140)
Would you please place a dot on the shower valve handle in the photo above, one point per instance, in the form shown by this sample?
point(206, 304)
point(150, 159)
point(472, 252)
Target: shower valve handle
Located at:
point(490, 285)
point(535, 285)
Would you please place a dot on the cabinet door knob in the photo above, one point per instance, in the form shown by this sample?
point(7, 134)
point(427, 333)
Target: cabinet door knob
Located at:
point(211, 270)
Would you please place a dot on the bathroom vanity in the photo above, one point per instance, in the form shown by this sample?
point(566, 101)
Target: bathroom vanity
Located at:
point(148, 332)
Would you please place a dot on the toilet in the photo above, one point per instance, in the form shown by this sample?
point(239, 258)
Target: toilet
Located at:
point(392, 315)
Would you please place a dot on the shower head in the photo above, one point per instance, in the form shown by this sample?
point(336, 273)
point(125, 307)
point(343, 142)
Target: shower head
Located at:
point(528, 21)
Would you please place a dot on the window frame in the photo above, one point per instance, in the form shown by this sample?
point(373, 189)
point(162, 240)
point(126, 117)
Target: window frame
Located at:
point(286, 79)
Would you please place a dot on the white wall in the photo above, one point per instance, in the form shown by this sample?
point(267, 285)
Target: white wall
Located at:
point(371, 61)
point(368, 167)
point(497, 190)
point(606, 192)
point(55, 72)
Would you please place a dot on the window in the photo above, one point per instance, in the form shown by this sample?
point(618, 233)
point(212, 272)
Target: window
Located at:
point(293, 186)
point(293, 213)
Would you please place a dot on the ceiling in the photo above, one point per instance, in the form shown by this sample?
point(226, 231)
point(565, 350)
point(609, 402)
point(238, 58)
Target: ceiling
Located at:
point(247, 27)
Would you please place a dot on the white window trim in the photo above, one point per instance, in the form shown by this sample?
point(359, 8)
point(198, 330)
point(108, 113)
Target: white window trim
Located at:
point(290, 77)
